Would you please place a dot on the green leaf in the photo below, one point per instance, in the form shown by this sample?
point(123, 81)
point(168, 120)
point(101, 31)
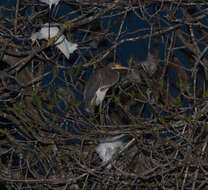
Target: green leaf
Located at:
point(206, 127)
point(198, 116)
point(8, 186)
point(117, 99)
point(80, 85)
point(162, 120)
point(21, 108)
point(50, 148)
point(93, 59)
point(178, 99)
point(54, 98)
point(161, 84)
point(37, 99)
point(130, 61)
point(71, 71)
point(205, 95)
point(28, 155)
point(65, 158)
point(99, 187)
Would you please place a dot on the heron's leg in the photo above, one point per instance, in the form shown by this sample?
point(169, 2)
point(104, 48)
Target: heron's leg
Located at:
point(101, 115)
point(49, 21)
point(100, 108)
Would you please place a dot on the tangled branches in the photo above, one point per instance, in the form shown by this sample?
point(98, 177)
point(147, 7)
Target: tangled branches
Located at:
point(158, 109)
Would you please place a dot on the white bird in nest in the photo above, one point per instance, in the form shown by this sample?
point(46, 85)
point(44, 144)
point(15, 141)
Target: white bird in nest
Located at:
point(65, 46)
point(108, 148)
point(50, 2)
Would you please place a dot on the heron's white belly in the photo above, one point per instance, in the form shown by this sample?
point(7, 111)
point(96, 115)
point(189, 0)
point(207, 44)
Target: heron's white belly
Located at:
point(100, 95)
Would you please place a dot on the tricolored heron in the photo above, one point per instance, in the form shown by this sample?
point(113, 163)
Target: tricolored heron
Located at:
point(99, 83)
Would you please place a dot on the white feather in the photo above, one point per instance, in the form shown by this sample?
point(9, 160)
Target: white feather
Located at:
point(65, 46)
point(71, 46)
point(100, 95)
point(50, 2)
point(107, 149)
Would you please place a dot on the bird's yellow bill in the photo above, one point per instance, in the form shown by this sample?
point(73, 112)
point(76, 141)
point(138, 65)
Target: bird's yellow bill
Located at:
point(68, 25)
point(117, 66)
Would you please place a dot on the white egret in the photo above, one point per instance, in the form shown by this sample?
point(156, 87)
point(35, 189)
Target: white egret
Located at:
point(65, 46)
point(107, 149)
point(50, 2)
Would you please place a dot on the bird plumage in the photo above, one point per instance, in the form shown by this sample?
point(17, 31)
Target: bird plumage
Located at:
point(150, 65)
point(107, 149)
point(65, 46)
point(99, 83)
point(50, 2)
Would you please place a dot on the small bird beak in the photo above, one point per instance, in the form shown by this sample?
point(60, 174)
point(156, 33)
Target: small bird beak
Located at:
point(117, 66)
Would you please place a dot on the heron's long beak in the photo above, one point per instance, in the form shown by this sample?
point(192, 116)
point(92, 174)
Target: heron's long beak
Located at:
point(117, 66)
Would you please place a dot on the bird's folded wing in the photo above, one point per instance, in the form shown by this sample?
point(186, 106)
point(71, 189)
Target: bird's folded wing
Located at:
point(91, 87)
point(71, 46)
point(65, 46)
point(60, 43)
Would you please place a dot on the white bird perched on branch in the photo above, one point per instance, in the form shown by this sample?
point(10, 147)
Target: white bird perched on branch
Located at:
point(50, 2)
point(65, 46)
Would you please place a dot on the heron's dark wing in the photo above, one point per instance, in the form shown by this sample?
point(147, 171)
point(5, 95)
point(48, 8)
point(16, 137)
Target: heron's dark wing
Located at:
point(91, 87)
point(103, 78)
point(110, 77)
